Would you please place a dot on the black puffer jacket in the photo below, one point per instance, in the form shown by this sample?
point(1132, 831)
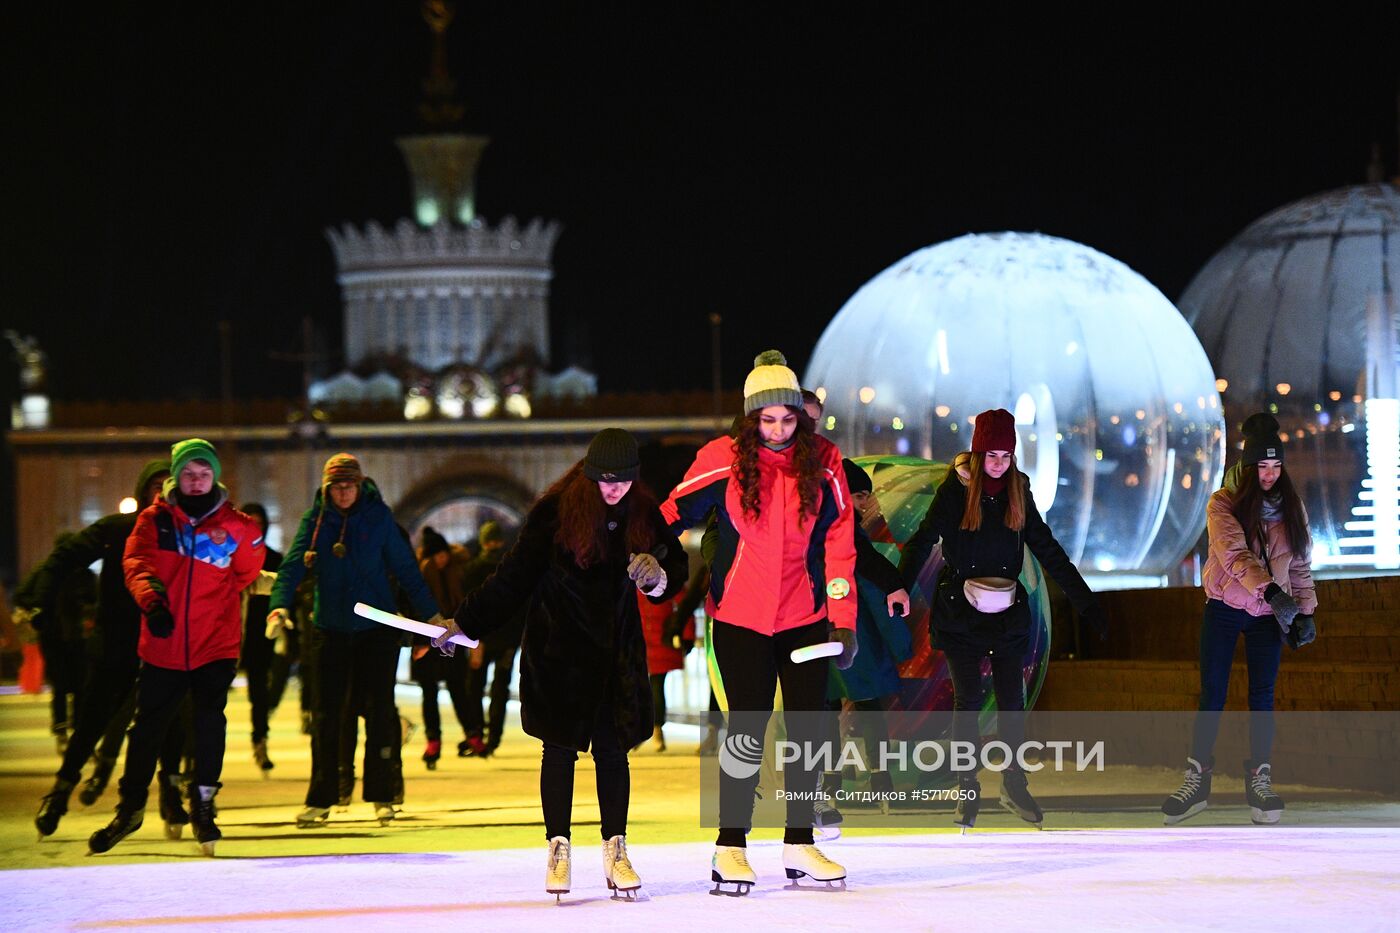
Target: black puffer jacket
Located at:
point(991, 551)
point(583, 642)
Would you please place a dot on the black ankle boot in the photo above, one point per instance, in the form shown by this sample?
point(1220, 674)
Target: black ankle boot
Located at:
point(53, 808)
point(95, 785)
point(969, 803)
point(127, 821)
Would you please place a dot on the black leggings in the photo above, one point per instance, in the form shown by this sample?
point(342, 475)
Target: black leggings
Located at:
point(613, 778)
point(658, 699)
point(751, 665)
point(1008, 683)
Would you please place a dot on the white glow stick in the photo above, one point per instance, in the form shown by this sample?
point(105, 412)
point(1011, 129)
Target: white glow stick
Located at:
point(826, 649)
point(409, 625)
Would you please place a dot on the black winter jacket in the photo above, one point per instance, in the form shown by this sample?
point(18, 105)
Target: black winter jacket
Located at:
point(583, 642)
point(992, 551)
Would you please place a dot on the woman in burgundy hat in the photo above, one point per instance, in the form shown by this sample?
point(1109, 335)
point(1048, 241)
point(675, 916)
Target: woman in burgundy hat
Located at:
point(984, 514)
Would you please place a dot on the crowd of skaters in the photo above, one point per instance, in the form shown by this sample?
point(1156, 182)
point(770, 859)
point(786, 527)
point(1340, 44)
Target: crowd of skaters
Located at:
point(597, 596)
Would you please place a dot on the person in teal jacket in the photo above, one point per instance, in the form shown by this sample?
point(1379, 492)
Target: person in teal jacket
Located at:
point(349, 541)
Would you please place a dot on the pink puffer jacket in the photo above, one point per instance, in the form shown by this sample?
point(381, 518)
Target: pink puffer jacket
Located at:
point(1236, 576)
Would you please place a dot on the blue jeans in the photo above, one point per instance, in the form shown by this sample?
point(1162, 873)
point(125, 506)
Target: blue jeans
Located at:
point(1263, 649)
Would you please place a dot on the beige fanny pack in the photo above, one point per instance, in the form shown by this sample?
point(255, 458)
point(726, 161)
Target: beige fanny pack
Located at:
point(990, 594)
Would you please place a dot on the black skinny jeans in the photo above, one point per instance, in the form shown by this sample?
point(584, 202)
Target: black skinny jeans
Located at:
point(109, 703)
point(751, 665)
point(453, 673)
point(1008, 684)
point(159, 693)
point(1221, 629)
point(612, 774)
point(257, 662)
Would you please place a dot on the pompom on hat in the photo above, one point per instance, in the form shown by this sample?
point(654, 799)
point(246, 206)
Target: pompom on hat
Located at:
point(771, 382)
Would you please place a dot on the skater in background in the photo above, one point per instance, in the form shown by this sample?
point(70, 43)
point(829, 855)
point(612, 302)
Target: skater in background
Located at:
point(186, 563)
point(109, 693)
point(349, 541)
point(494, 656)
point(592, 539)
point(869, 683)
point(781, 579)
point(1258, 583)
point(257, 647)
point(443, 570)
point(985, 515)
point(666, 651)
point(62, 620)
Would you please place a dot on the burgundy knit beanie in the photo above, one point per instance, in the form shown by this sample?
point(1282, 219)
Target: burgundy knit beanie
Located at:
point(994, 430)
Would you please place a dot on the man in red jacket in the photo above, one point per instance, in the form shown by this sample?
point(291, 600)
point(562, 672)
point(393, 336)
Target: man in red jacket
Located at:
point(188, 559)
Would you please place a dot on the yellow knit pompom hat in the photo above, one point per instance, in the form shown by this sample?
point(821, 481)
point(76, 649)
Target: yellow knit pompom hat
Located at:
point(771, 383)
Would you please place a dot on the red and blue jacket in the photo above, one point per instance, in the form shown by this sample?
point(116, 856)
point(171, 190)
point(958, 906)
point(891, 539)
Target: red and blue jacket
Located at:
point(778, 570)
point(198, 569)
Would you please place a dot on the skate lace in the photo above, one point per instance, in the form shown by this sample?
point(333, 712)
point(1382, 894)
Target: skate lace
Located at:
point(819, 856)
point(740, 859)
point(559, 852)
point(1189, 786)
point(1261, 782)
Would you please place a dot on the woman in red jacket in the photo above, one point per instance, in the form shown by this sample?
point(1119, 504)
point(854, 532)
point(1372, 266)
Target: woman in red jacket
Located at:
point(187, 562)
point(781, 580)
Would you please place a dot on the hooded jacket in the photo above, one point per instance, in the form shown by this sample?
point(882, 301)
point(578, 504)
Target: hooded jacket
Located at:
point(761, 563)
point(197, 567)
point(374, 551)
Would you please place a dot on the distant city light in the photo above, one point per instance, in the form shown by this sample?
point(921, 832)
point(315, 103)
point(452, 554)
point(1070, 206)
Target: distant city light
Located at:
point(1222, 384)
point(1283, 388)
point(867, 394)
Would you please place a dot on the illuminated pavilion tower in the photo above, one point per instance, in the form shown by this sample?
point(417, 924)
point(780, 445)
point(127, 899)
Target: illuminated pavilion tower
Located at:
point(449, 288)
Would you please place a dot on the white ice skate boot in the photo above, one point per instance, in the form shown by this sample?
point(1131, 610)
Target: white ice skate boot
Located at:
point(618, 872)
point(384, 813)
point(808, 860)
point(558, 873)
point(313, 817)
point(730, 866)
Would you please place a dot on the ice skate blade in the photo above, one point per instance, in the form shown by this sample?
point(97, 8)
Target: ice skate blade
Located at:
point(624, 894)
point(1194, 809)
point(826, 833)
point(174, 830)
point(814, 884)
point(1010, 807)
point(1264, 817)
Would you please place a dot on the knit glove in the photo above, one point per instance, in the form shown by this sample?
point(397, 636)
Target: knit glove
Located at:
point(847, 639)
point(1284, 606)
point(159, 621)
point(645, 571)
point(1094, 617)
point(1303, 631)
point(278, 621)
point(441, 642)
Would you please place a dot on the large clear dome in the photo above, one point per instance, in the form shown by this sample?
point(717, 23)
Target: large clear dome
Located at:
point(1119, 423)
point(1299, 314)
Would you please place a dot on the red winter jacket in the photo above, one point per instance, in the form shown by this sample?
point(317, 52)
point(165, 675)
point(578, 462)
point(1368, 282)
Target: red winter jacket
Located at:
point(772, 573)
point(662, 656)
point(198, 569)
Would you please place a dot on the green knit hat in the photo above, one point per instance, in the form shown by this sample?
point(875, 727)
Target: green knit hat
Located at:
point(771, 383)
point(194, 448)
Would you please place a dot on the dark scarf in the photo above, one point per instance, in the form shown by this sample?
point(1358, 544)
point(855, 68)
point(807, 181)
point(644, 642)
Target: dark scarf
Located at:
point(993, 485)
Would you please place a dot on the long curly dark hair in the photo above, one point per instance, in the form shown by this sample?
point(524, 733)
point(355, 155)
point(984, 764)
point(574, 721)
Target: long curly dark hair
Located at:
point(583, 517)
point(1247, 503)
point(805, 458)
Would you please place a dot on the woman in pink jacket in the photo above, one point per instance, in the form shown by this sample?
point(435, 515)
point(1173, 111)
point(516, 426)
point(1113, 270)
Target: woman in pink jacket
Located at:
point(1258, 582)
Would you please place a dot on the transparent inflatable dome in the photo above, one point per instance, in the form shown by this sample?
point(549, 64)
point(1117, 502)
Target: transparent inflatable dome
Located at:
point(1300, 315)
point(1119, 424)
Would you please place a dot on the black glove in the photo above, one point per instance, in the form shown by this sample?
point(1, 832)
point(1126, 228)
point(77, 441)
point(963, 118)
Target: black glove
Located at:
point(1302, 632)
point(847, 639)
point(1096, 620)
point(159, 621)
point(1284, 606)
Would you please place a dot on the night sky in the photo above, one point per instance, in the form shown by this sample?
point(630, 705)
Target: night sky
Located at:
point(166, 170)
